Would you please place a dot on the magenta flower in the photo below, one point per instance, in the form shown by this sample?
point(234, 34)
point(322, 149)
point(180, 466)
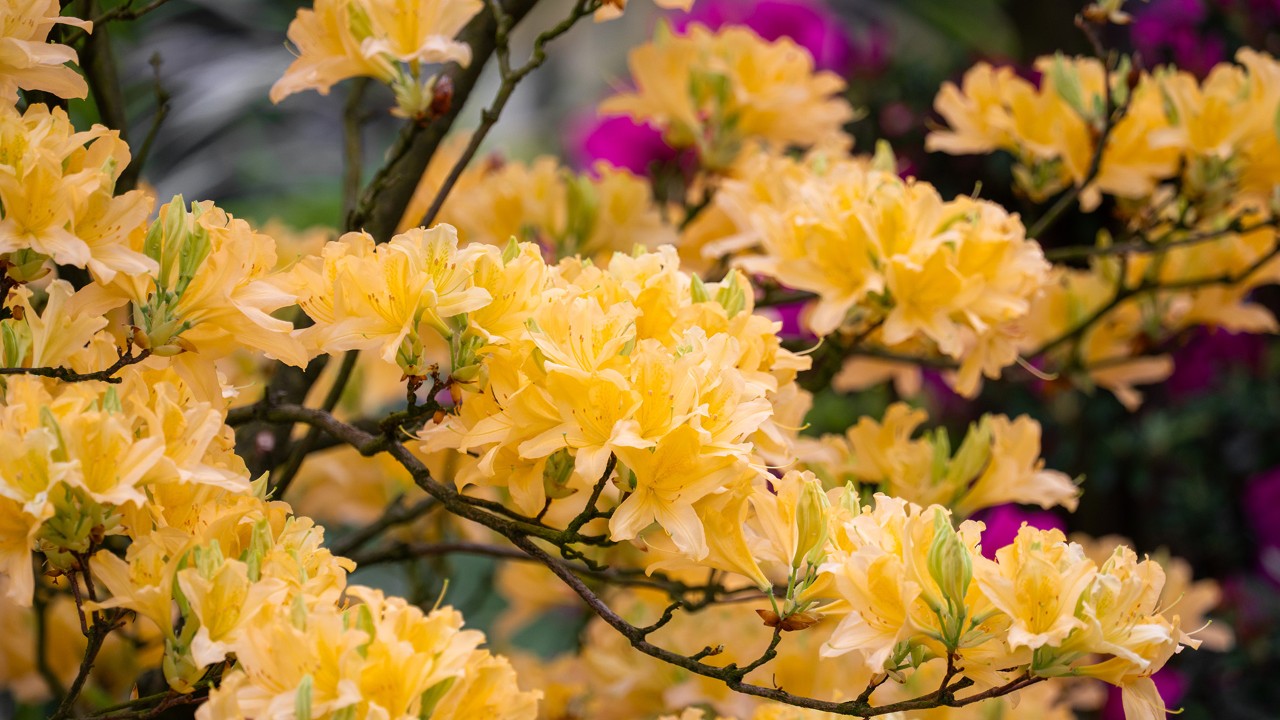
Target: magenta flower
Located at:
point(623, 143)
point(1202, 362)
point(807, 22)
point(1262, 510)
point(1175, 31)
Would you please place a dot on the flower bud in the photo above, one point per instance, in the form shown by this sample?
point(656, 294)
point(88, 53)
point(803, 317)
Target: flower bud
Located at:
point(811, 523)
point(951, 567)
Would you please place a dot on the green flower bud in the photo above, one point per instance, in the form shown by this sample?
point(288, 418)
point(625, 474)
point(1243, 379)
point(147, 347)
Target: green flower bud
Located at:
point(811, 523)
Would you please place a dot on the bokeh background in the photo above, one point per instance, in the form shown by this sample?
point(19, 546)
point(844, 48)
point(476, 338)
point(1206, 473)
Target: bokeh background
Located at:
point(1194, 472)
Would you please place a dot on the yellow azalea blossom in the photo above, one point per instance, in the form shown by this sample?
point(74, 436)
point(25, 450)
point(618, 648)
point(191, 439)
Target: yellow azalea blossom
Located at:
point(668, 480)
point(27, 60)
point(212, 290)
point(724, 518)
point(593, 215)
point(716, 90)
point(997, 462)
point(1037, 582)
point(1015, 473)
point(58, 189)
point(391, 298)
point(387, 40)
point(1211, 135)
point(890, 257)
point(69, 321)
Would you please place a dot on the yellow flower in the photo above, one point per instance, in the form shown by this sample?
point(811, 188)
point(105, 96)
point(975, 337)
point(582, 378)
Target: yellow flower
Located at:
point(593, 215)
point(69, 321)
point(213, 290)
point(1037, 581)
point(388, 40)
point(57, 190)
point(27, 61)
point(889, 257)
point(668, 480)
point(391, 298)
point(1015, 473)
point(716, 90)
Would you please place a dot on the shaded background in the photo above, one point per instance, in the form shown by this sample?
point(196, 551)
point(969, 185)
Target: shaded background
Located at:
point(1196, 470)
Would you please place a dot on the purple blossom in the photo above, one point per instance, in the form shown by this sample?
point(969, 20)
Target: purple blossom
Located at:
point(807, 22)
point(1174, 31)
point(1003, 522)
point(1262, 510)
point(1202, 362)
point(623, 143)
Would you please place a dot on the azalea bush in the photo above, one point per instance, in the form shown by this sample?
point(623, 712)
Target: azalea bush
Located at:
point(693, 394)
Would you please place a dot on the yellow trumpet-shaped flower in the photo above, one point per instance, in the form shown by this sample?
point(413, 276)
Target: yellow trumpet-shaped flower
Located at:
point(1037, 581)
point(668, 480)
point(716, 90)
point(58, 193)
point(391, 298)
point(388, 40)
point(27, 61)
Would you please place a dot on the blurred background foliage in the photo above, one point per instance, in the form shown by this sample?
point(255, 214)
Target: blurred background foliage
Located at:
point(1195, 470)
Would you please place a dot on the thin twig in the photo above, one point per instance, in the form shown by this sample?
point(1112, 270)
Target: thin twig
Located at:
point(353, 145)
point(298, 455)
point(511, 78)
point(397, 514)
point(129, 178)
point(107, 375)
point(126, 11)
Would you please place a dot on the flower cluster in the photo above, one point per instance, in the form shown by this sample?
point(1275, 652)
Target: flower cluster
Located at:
point(996, 463)
point(57, 188)
point(85, 453)
point(593, 215)
point(636, 359)
point(387, 40)
point(885, 257)
point(393, 298)
point(911, 589)
point(1217, 136)
point(717, 91)
point(253, 582)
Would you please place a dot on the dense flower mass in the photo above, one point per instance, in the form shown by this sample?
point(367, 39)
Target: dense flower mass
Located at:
point(585, 373)
point(57, 186)
point(1216, 134)
point(884, 257)
point(593, 214)
point(996, 463)
point(636, 359)
point(714, 91)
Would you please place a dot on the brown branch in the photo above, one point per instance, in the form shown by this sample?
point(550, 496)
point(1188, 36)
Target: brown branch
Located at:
point(107, 375)
point(1076, 252)
point(523, 534)
point(397, 514)
point(353, 145)
point(511, 78)
point(388, 193)
point(129, 178)
point(126, 11)
point(298, 455)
